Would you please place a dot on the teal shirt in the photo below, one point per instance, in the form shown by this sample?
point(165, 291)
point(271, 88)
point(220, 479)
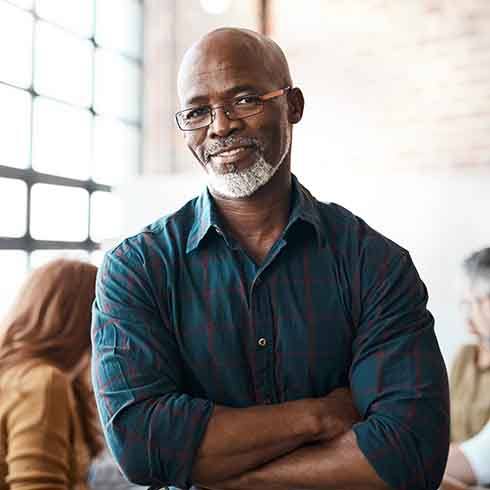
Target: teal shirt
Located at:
point(184, 319)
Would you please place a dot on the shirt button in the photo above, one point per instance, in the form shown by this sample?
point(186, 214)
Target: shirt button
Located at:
point(262, 342)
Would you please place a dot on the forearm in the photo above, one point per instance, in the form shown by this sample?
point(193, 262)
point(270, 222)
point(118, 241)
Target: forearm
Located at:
point(237, 440)
point(338, 464)
point(449, 483)
point(458, 467)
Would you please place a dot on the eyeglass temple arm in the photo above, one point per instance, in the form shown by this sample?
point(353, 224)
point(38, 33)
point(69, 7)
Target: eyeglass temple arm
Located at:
point(276, 93)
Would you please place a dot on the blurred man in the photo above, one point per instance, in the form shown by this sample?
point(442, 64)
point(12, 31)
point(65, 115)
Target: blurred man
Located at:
point(469, 455)
point(229, 336)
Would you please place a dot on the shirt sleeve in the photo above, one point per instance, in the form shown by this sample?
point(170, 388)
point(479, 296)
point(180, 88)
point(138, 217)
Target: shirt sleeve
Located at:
point(39, 434)
point(151, 425)
point(477, 452)
point(398, 377)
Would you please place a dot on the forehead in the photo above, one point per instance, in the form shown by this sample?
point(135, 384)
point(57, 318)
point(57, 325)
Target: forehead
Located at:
point(215, 71)
point(221, 83)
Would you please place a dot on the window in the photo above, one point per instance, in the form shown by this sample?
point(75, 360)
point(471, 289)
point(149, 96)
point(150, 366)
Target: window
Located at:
point(70, 127)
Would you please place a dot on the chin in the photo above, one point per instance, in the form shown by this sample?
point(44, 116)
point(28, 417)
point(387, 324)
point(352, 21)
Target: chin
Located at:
point(243, 183)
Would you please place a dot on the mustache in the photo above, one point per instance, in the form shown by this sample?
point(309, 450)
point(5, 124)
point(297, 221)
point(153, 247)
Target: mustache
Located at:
point(229, 142)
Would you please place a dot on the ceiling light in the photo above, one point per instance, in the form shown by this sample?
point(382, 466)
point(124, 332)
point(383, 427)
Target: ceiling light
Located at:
point(215, 7)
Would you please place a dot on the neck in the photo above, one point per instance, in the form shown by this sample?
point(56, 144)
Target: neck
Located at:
point(257, 221)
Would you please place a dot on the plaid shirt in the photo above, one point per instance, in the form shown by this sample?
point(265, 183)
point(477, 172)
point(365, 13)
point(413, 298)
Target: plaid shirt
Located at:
point(184, 319)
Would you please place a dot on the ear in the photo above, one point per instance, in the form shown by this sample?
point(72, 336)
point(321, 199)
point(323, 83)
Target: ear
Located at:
point(296, 104)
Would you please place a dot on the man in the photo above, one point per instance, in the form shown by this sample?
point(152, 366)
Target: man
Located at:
point(226, 335)
point(469, 454)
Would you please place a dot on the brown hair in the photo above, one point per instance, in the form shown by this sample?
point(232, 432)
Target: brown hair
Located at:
point(50, 322)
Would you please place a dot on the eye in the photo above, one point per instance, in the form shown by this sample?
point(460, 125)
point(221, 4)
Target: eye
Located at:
point(196, 113)
point(247, 100)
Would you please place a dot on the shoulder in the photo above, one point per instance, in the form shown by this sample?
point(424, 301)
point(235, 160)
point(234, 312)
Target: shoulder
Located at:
point(348, 234)
point(148, 260)
point(165, 236)
point(36, 389)
point(43, 379)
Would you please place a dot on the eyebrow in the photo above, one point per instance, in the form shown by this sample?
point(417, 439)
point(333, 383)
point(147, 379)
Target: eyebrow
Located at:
point(230, 93)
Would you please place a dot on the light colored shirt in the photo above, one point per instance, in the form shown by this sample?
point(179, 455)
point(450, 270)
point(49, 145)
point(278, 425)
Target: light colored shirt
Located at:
point(477, 452)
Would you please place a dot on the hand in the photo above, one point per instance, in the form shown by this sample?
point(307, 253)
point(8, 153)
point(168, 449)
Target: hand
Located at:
point(337, 413)
point(481, 317)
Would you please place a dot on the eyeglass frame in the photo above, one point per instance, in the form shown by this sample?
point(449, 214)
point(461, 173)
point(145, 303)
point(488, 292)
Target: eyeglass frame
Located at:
point(263, 98)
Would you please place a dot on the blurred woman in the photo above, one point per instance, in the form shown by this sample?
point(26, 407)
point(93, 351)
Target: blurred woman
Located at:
point(48, 426)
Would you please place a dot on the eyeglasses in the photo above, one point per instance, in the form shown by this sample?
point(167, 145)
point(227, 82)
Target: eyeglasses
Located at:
point(237, 108)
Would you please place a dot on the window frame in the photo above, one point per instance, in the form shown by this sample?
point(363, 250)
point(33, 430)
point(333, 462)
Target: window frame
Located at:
point(30, 177)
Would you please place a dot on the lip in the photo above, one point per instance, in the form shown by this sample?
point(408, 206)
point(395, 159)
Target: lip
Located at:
point(232, 153)
point(231, 149)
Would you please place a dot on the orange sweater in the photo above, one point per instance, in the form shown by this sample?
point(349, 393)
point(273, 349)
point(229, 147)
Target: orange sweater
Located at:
point(41, 440)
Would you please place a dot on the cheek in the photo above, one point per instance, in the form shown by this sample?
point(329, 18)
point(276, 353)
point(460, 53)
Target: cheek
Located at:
point(195, 143)
point(274, 139)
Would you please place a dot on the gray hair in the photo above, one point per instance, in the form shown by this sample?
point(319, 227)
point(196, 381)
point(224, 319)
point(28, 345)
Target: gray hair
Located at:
point(477, 270)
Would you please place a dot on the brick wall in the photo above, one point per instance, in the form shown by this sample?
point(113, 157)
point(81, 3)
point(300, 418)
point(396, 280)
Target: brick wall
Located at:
point(389, 85)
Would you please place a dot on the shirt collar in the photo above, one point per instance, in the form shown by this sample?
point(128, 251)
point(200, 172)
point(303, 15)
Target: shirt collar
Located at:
point(304, 208)
point(205, 217)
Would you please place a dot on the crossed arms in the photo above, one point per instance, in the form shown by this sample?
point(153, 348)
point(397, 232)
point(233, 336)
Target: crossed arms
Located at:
point(300, 444)
point(162, 435)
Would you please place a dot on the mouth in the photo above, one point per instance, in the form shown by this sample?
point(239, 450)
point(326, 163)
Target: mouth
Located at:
point(232, 154)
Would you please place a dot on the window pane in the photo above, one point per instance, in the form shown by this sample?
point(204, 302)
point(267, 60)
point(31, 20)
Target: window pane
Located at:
point(63, 65)
point(75, 15)
point(15, 127)
point(13, 196)
point(105, 216)
point(13, 264)
point(119, 25)
point(59, 213)
point(96, 257)
point(25, 4)
point(62, 139)
point(116, 151)
point(15, 45)
point(41, 257)
point(117, 86)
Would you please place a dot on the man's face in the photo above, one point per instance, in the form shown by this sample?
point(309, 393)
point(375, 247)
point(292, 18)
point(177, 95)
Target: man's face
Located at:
point(238, 155)
point(477, 307)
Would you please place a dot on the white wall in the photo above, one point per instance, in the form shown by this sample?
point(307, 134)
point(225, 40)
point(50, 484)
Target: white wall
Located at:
point(437, 217)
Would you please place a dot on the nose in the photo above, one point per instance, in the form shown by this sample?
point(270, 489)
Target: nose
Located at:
point(222, 126)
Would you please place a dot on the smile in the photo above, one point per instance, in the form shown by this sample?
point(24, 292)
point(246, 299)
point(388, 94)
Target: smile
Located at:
point(235, 151)
point(232, 154)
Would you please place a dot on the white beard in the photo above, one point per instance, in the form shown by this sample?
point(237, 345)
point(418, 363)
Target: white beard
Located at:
point(246, 182)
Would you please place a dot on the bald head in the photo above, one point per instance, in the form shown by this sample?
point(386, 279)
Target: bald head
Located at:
point(238, 48)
